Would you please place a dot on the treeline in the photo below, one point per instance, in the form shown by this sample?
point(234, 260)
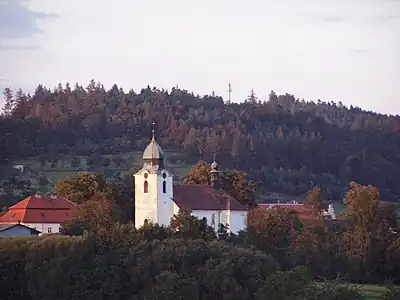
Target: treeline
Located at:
point(287, 144)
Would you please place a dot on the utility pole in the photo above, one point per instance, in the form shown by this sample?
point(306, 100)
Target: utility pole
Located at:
point(229, 92)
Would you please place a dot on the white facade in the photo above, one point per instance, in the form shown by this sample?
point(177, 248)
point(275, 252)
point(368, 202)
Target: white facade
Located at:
point(236, 220)
point(154, 195)
point(153, 203)
point(44, 228)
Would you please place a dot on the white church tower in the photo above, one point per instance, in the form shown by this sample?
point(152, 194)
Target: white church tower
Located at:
point(153, 188)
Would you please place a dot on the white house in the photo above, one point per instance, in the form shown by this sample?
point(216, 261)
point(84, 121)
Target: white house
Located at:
point(157, 199)
point(42, 213)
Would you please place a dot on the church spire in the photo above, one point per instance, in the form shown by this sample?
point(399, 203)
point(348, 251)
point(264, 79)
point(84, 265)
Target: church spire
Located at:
point(153, 131)
point(153, 155)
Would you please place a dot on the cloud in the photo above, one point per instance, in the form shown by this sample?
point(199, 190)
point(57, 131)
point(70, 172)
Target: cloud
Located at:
point(387, 18)
point(18, 21)
point(332, 19)
point(18, 48)
point(361, 51)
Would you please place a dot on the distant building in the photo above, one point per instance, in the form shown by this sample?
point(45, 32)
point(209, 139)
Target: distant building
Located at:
point(157, 199)
point(14, 230)
point(42, 213)
point(302, 212)
point(19, 167)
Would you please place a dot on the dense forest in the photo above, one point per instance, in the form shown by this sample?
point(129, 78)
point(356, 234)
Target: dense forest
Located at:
point(286, 144)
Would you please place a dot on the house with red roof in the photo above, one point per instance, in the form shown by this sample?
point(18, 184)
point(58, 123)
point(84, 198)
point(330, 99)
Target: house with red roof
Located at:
point(42, 213)
point(157, 198)
point(303, 212)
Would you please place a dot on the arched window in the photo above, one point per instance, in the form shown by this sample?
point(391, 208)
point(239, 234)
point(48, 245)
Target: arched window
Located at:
point(146, 187)
point(164, 187)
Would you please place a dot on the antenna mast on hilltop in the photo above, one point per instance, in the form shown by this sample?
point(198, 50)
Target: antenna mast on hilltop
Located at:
point(229, 92)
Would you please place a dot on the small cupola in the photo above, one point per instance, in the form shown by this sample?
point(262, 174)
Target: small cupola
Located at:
point(214, 174)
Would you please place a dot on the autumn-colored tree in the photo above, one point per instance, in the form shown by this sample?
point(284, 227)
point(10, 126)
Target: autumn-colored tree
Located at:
point(93, 215)
point(362, 205)
point(368, 241)
point(233, 182)
point(236, 184)
point(187, 226)
point(314, 201)
point(272, 231)
point(82, 186)
point(198, 174)
point(316, 246)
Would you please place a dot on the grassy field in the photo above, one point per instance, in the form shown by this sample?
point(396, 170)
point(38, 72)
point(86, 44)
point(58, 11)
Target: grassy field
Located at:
point(62, 169)
point(372, 292)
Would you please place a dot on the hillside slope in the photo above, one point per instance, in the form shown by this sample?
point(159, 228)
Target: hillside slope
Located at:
point(286, 144)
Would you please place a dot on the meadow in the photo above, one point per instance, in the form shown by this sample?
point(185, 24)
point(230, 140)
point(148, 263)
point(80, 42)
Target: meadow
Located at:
point(371, 292)
point(56, 171)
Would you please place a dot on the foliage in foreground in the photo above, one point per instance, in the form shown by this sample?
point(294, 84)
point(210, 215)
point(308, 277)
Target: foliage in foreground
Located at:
point(123, 264)
point(126, 263)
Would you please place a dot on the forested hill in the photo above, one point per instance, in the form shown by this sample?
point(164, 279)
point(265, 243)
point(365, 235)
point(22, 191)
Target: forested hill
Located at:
point(286, 144)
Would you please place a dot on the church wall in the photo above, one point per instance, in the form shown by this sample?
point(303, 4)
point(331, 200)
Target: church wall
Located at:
point(175, 208)
point(210, 215)
point(165, 204)
point(238, 220)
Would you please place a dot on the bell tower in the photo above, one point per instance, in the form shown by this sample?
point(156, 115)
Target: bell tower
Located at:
point(153, 187)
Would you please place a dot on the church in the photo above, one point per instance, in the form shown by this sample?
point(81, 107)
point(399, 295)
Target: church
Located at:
point(157, 198)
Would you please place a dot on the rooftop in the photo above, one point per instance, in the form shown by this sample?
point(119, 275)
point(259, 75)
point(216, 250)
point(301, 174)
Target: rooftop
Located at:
point(39, 209)
point(204, 197)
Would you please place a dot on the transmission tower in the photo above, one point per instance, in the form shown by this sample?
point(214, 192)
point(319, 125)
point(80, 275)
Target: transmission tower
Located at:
point(229, 92)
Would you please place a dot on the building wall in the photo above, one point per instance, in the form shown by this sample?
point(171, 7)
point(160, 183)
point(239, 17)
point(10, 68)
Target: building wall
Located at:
point(44, 227)
point(165, 204)
point(15, 231)
point(155, 206)
point(210, 215)
point(237, 220)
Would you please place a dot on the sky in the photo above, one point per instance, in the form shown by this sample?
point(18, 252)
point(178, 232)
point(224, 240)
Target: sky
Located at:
point(333, 50)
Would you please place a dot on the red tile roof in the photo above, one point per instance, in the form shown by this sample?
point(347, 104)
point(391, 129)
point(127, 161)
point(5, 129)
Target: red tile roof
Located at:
point(39, 209)
point(204, 197)
point(44, 202)
point(302, 212)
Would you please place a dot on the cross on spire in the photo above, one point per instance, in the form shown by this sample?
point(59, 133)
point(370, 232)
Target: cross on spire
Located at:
point(153, 131)
point(214, 157)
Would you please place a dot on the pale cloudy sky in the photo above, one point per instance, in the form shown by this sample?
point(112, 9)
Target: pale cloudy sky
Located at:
point(334, 50)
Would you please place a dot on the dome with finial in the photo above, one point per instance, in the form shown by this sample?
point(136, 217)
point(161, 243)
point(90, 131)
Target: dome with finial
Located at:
point(153, 154)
